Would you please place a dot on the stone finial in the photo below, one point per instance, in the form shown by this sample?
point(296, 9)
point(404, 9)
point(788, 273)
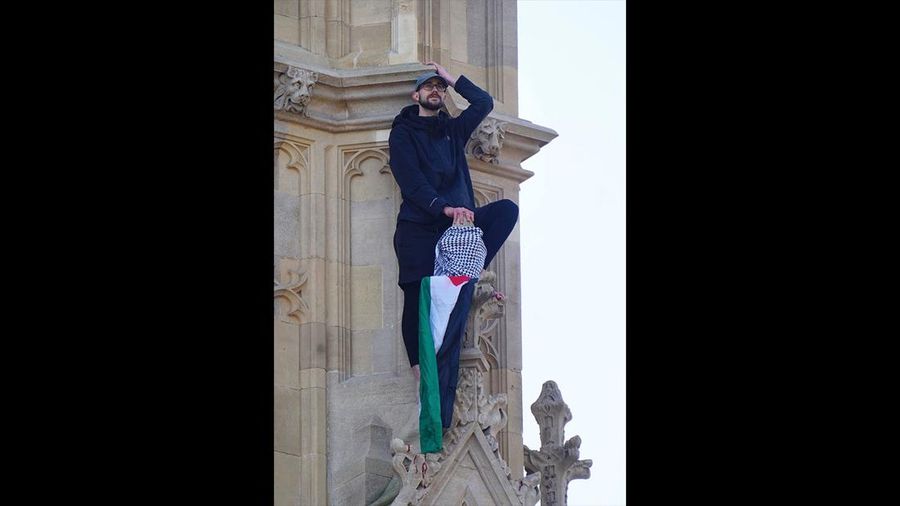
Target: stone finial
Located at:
point(558, 463)
point(487, 140)
point(551, 413)
point(293, 89)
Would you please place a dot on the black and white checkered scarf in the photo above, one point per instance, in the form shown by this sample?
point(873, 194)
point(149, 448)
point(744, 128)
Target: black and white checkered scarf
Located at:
point(460, 252)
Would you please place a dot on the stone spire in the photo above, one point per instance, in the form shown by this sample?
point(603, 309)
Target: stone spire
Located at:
point(557, 462)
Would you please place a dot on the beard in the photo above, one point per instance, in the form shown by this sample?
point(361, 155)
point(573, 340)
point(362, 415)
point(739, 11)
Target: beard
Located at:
point(432, 106)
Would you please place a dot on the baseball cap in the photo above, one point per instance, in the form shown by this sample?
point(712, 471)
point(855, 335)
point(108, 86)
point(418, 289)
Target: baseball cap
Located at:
point(426, 76)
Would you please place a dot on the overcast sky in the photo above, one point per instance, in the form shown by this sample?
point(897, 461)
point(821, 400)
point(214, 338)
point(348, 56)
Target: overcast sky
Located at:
point(572, 223)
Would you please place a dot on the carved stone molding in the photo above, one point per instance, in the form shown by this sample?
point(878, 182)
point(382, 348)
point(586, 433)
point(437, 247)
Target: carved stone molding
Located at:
point(494, 61)
point(293, 89)
point(289, 303)
point(350, 158)
point(292, 162)
point(486, 193)
point(556, 461)
point(484, 317)
point(349, 100)
point(486, 329)
point(354, 156)
point(486, 141)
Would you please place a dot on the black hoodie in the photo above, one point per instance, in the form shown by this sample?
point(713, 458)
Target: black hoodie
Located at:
point(428, 157)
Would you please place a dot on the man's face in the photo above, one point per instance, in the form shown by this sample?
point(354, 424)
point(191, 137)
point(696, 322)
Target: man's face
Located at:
point(431, 94)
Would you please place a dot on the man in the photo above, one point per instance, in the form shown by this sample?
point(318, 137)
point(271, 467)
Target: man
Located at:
point(428, 161)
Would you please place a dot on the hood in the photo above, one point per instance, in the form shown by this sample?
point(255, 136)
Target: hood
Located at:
point(436, 126)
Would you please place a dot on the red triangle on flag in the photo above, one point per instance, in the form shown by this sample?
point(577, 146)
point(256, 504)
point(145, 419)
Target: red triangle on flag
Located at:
point(458, 280)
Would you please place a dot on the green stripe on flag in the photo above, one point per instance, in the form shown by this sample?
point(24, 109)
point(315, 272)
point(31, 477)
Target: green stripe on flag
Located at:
point(430, 431)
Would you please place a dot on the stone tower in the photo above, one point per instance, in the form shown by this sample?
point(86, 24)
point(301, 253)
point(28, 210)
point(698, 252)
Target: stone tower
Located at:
point(343, 388)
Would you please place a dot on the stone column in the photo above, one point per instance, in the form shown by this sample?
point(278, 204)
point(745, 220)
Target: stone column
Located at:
point(558, 463)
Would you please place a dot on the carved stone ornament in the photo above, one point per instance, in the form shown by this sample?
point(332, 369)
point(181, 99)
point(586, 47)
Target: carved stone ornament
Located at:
point(528, 490)
point(487, 140)
point(558, 463)
point(473, 411)
point(410, 467)
point(289, 304)
point(293, 89)
point(484, 317)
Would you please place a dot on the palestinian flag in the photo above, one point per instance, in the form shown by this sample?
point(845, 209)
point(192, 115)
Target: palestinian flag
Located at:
point(444, 303)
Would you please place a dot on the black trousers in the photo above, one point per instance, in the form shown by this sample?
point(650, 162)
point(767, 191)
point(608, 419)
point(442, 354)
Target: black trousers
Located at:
point(496, 220)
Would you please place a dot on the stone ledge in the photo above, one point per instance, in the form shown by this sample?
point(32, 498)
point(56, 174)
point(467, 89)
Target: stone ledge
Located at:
point(349, 100)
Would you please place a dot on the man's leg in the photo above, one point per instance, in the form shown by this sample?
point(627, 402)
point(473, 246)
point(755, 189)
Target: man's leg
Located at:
point(409, 325)
point(496, 220)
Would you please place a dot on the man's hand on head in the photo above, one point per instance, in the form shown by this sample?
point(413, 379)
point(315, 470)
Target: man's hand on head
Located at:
point(441, 71)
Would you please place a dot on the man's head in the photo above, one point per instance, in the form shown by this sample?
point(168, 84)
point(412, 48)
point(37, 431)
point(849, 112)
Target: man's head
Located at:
point(430, 91)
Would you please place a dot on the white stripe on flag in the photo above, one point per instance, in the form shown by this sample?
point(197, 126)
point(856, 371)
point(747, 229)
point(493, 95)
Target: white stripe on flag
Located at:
point(443, 298)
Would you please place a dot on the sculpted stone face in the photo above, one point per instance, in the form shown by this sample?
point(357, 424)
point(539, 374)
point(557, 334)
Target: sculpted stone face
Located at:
point(487, 140)
point(493, 141)
point(300, 93)
point(293, 89)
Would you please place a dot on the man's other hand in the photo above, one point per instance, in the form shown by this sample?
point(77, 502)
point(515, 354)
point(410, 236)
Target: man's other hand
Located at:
point(460, 215)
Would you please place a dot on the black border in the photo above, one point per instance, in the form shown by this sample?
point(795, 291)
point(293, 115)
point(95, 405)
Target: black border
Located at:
point(197, 168)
